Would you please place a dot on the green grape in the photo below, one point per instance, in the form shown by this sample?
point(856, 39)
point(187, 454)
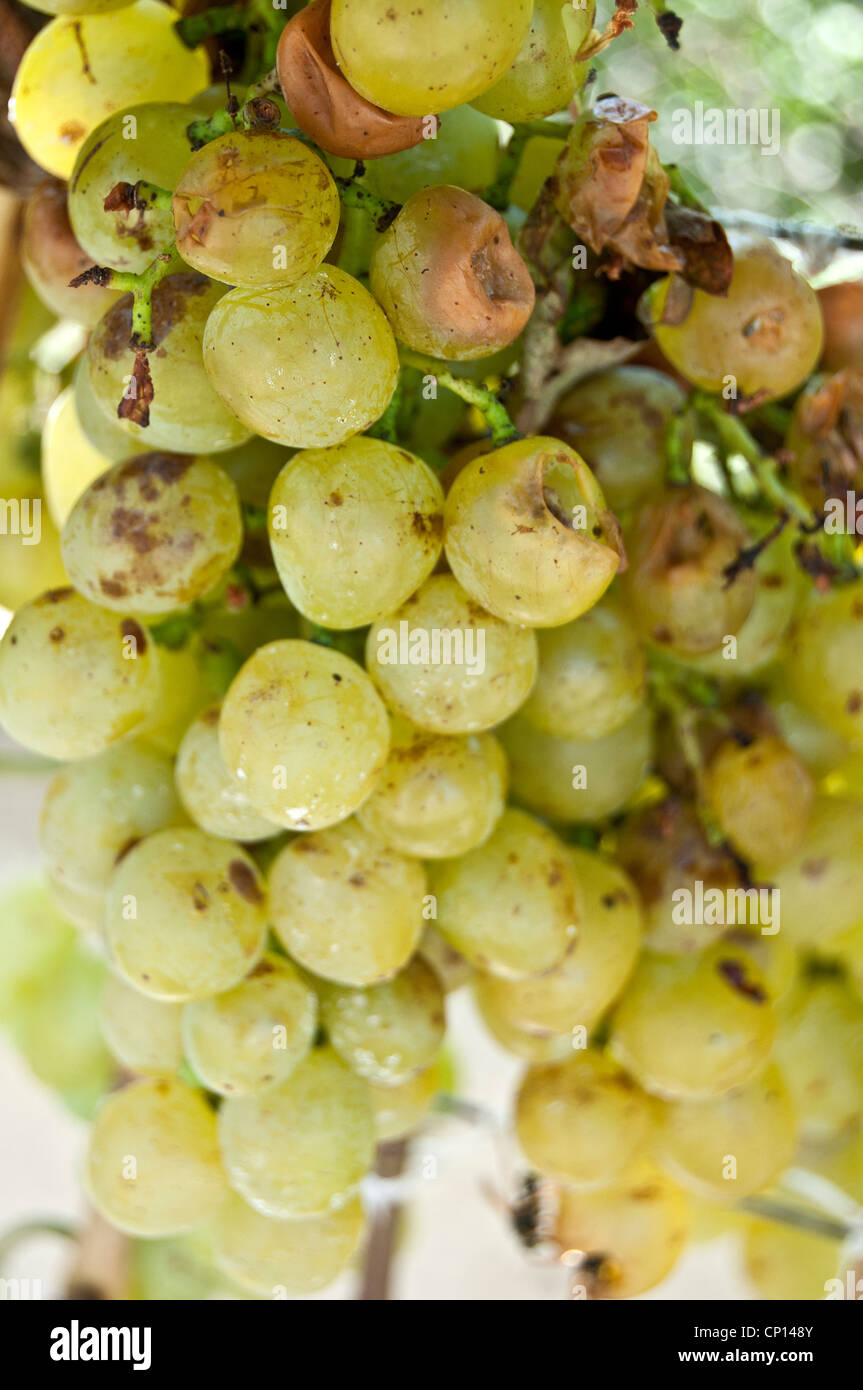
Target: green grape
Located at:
point(211, 793)
point(665, 849)
point(841, 1164)
point(820, 747)
point(79, 70)
point(254, 467)
point(583, 1121)
point(186, 692)
point(677, 585)
point(96, 809)
point(691, 1027)
point(825, 658)
point(449, 278)
point(153, 533)
point(33, 935)
point(78, 7)
point(731, 1145)
point(142, 1033)
point(186, 415)
point(591, 676)
point(787, 1264)
point(448, 666)
point(820, 888)
point(537, 164)
point(542, 77)
point(374, 510)
point(153, 1161)
point(300, 1148)
point(571, 779)
point(51, 257)
point(762, 794)
point(345, 905)
point(285, 1259)
point(254, 1035)
point(451, 968)
point(465, 152)
point(178, 1269)
point(55, 1027)
point(629, 1235)
point(591, 976)
point(400, 1109)
point(107, 435)
point(304, 729)
point(438, 796)
point(528, 534)
point(763, 335)
point(388, 1032)
point(534, 1045)
point(253, 208)
point(70, 463)
point(185, 915)
point(618, 421)
point(29, 566)
point(510, 906)
point(819, 1050)
point(774, 956)
point(83, 907)
point(146, 142)
point(421, 59)
point(73, 677)
point(308, 365)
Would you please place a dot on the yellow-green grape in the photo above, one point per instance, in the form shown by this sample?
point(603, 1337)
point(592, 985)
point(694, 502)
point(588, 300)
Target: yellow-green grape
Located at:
point(285, 1259)
point(345, 905)
point(178, 1269)
point(310, 365)
point(690, 1027)
point(542, 77)
point(255, 207)
point(70, 463)
point(30, 559)
point(577, 779)
point(677, 585)
point(825, 658)
point(622, 1240)
point(185, 915)
point(185, 692)
point(448, 665)
point(731, 1145)
point(787, 1264)
point(302, 1147)
point(438, 796)
point(448, 277)
point(820, 747)
point(73, 677)
point(153, 533)
point(762, 795)
point(33, 934)
point(536, 1046)
point(388, 1032)
point(577, 993)
point(528, 535)
point(510, 906)
point(763, 335)
point(774, 956)
point(79, 70)
point(465, 152)
point(591, 676)
point(451, 968)
point(78, 7)
point(153, 1161)
point(186, 415)
point(212, 794)
point(819, 1050)
point(839, 1162)
point(51, 257)
point(253, 1036)
point(95, 810)
point(665, 849)
point(618, 421)
point(373, 510)
point(820, 888)
point(400, 1109)
point(106, 433)
point(147, 142)
point(420, 59)
point(254, 467)
point(537, 164)
point(83, 907)
point(142, 1033)
point(305, 731)
point(583, 1121)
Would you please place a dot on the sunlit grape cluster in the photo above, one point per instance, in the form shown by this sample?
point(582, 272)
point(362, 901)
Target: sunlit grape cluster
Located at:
point(435, 589)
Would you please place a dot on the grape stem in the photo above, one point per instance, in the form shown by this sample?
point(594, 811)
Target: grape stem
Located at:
point(736, 439)
point(679, 470)
point(800, 233)
point(383, 1237)
point(502, 429)
point(353, 195)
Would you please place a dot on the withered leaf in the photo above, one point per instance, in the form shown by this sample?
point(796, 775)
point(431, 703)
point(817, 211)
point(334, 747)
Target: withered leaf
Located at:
point(702, 247)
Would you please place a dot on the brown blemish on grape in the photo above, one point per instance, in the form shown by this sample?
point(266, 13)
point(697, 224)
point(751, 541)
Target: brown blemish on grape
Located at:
point(357, 880)
point(72, 131)
point(335, 499)
point(427, 524)
point(125, 848)
point(210, 716)
point(200, 897)
point(854, 702)
point(56, 634)
point(112, 588)
point(734, 971)
point(814, 868)
point(244, 880)
point(169, 303)
point(129, 628)
point(54, 596)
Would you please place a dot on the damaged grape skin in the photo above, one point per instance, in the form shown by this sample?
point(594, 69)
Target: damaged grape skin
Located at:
point(448, 277)
point(153, 533)
point(51, 257)
point(527, 533)
point(248, 195)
